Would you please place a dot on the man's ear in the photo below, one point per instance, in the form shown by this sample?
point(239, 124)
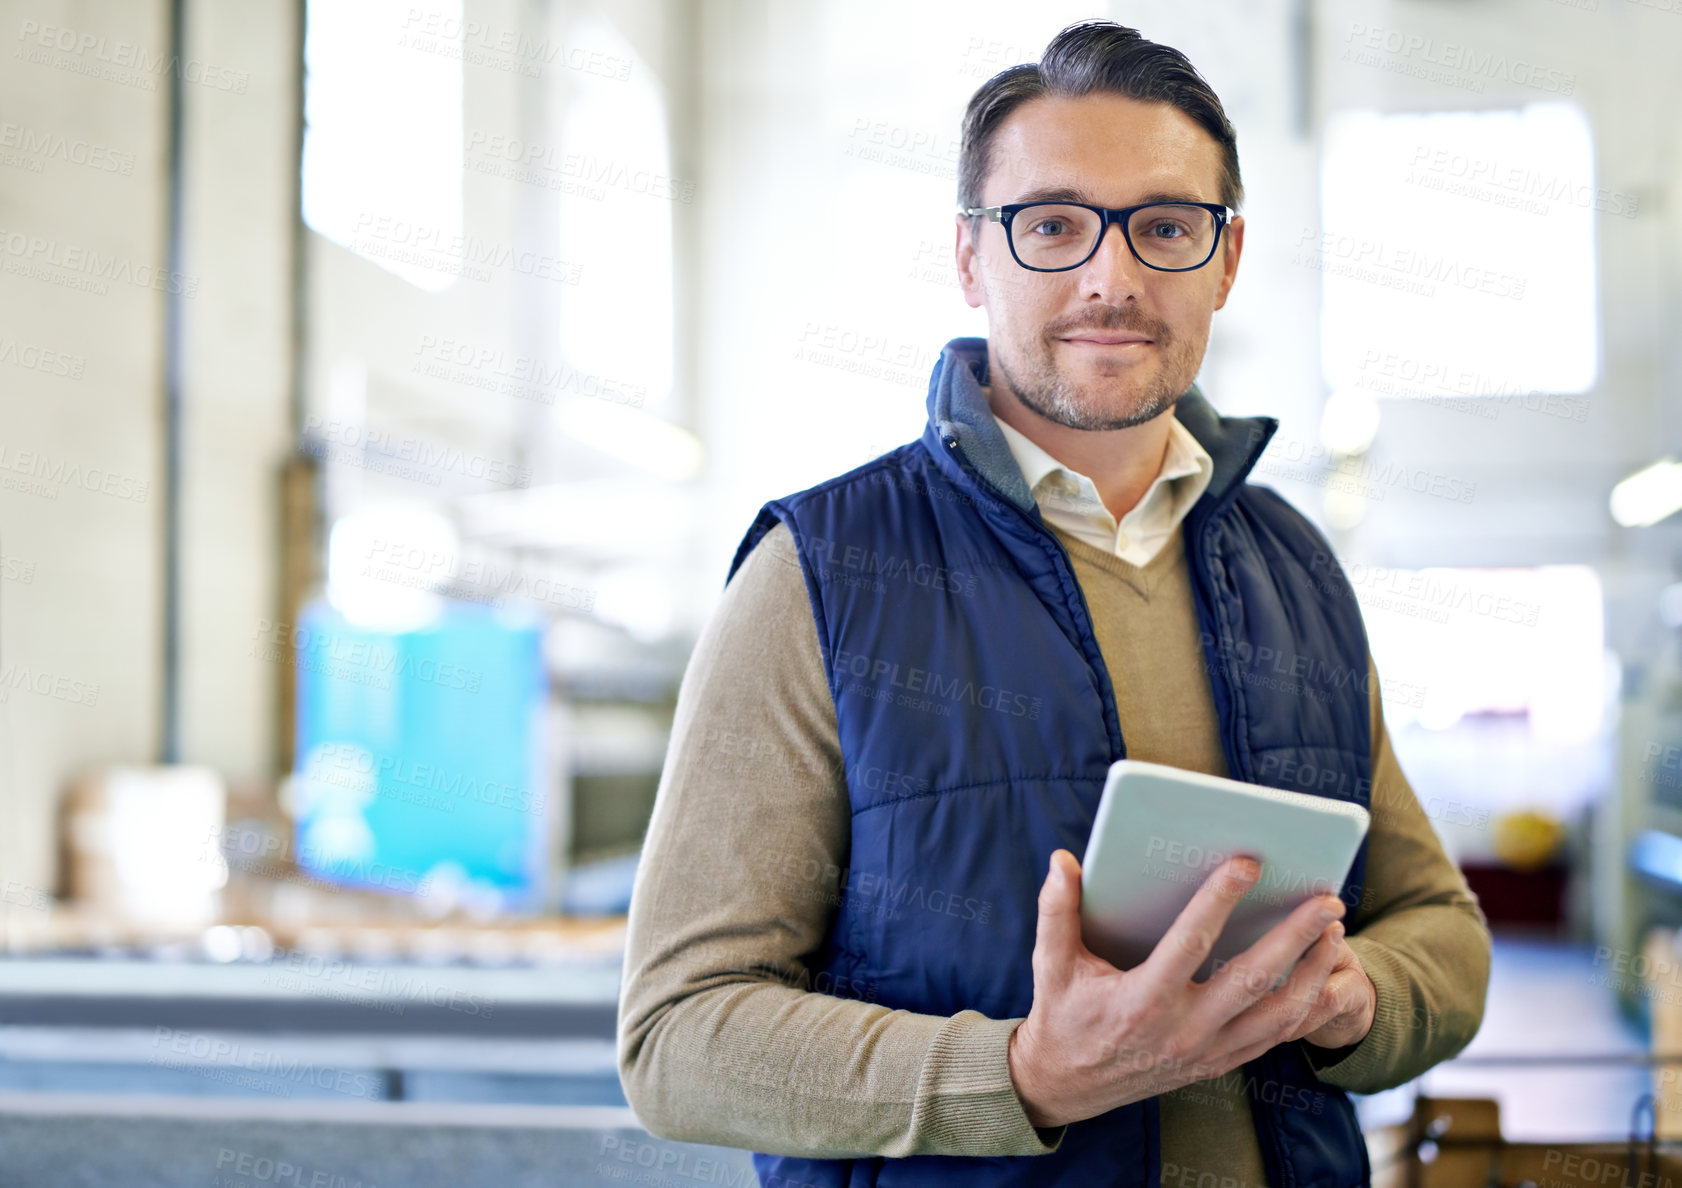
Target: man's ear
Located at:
point(969, 276)
point(1232, 246)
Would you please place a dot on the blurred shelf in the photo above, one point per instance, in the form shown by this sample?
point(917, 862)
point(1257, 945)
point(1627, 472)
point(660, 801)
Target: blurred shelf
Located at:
point(326, 996)
point(243, 941)
point(643, 684)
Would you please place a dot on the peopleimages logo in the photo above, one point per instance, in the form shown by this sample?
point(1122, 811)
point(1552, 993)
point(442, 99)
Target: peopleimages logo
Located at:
point(1446, 61)
point(404, 455)
point(833, 558)
point(119, 61)
point(913, 687)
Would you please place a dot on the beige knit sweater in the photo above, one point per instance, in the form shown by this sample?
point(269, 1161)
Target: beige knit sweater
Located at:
point(726, 1037)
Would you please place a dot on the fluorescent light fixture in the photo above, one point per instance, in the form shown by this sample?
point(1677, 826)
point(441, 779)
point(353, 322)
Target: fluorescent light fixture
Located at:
point(1648, 495)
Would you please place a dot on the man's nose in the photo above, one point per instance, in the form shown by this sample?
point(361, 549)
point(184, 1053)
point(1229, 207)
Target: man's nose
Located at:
point(1114, 272)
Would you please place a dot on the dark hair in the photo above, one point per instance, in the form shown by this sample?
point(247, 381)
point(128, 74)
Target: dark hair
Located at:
point(1086, 57)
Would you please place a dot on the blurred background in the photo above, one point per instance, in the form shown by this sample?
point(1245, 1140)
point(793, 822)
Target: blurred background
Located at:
point(387, 384)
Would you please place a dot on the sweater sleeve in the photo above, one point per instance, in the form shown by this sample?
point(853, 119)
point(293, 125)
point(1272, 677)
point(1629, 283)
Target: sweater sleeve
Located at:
point(1419, 934)
point(726, 1035)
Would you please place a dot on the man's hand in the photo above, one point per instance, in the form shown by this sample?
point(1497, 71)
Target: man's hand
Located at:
point(1343, 1013)
point(1098, 1037)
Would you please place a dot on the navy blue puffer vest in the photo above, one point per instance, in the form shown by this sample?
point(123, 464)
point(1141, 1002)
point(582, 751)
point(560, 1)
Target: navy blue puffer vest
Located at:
point(978, 723)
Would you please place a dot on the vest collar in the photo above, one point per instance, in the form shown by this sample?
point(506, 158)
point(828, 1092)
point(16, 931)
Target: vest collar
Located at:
point(958, 409)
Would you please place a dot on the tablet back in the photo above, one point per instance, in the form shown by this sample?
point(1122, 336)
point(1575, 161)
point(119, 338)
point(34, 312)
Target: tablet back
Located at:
point(1160, 832)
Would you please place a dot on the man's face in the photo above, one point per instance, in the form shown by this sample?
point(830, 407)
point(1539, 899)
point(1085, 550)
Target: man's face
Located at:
point(1051, 334)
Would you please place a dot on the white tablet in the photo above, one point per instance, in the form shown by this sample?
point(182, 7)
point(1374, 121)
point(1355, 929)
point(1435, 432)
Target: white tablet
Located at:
point(1161, 831)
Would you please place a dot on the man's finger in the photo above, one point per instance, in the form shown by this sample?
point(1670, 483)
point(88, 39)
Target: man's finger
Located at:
point(1057, 939)
point(1326, 1007)
point(1304, 992)
point(1255, 972)
point(1305, 989)
point(1189, 940)
point(1338, 1002)
point(1275, 1017)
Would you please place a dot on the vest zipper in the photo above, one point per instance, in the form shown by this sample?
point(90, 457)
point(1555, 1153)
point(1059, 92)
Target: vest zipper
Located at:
point(1094, 655)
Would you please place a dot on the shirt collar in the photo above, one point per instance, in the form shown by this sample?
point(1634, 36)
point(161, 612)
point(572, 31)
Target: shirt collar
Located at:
point(1183, 459)
point(964, 439)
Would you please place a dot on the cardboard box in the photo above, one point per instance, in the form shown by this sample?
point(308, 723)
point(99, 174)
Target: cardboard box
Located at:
point(1457, 1143)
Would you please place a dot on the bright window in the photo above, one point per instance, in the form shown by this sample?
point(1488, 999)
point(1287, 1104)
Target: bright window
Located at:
point(1455, 643)
point(383, 133)
point(615, 218)
point(1457, 252)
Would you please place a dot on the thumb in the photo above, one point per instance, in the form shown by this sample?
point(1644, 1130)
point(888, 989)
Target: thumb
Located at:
point(1057, 935)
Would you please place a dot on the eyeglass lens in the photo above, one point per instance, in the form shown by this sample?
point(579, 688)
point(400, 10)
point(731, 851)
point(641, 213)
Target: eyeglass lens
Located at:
point(1167, 235)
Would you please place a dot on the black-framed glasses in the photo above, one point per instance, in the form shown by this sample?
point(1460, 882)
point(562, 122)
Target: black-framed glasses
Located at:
point(1058, 236)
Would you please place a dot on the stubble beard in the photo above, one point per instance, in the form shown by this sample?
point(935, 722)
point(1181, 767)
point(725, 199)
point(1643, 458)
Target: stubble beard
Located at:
point(1045, 388)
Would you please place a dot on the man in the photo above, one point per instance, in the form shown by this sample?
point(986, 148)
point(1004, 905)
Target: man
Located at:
point(854, 942)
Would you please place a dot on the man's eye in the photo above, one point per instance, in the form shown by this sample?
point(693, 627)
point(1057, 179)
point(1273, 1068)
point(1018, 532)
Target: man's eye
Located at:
point(1167, 231)
point(1051, 227)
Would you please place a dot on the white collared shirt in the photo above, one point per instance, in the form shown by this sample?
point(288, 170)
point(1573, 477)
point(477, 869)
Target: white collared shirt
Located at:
point(1069, 499)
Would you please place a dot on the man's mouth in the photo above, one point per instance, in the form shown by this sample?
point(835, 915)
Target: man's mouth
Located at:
point(1107, 340)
